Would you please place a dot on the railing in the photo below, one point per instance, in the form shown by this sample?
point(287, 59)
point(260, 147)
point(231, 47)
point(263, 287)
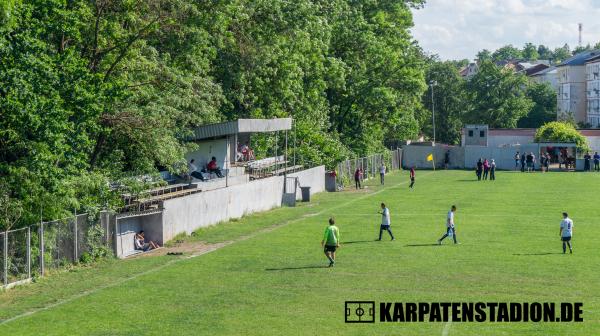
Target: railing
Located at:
point(369, 165)
point(33, 250)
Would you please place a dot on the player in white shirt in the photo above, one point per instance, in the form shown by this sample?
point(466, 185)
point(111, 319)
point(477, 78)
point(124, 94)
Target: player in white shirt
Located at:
point(450, 230)
point(566, 232)
point(385, 221)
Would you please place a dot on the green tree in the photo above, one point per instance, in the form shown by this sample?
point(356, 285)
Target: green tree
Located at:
point(530, 52)
point(543, 111)
point(562, 53)
point(544, 52)
point(557, 131)
point(450, 98)
point(507, 52)
point(484, 55)
point(497, 97)
point(580, 49)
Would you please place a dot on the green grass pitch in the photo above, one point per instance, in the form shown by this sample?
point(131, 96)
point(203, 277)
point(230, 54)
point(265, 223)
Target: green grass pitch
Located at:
point(273, 281)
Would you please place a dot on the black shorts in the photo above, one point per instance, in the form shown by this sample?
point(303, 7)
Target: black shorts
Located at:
point(329, 248)
point(565, 239)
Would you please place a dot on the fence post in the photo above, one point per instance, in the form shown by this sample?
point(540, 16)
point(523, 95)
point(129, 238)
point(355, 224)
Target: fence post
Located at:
point(75, 238)
point(42, 252)
point(29, 252)
point(5, 266)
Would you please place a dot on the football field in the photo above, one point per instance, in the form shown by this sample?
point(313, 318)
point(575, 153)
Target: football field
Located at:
point(266, 274)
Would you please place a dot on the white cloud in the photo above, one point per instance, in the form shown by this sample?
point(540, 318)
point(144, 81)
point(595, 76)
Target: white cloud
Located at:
point(456, 29)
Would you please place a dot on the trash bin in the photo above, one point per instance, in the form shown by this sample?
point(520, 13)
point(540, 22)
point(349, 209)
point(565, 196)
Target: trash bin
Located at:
point(305, 194)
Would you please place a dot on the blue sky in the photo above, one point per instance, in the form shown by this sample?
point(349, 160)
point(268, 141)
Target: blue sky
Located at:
point(457, 29)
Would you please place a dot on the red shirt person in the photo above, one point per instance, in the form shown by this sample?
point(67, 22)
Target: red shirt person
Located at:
point(213, 168)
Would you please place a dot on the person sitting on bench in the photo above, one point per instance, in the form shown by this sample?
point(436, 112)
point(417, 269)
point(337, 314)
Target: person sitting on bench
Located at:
point(193, 171)
point(140, 243)
point(213, 168)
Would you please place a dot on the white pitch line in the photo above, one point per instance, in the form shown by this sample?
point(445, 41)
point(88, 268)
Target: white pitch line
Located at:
point(219, 246)
point(447, 328)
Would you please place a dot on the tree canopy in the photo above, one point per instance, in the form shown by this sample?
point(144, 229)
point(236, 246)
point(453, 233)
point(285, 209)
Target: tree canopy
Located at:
point(557, 131)
point(91, 91)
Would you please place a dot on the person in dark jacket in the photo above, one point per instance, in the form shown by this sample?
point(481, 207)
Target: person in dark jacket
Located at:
point(479, 170)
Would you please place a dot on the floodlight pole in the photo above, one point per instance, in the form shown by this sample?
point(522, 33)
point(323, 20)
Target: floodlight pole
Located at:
point(432, 84)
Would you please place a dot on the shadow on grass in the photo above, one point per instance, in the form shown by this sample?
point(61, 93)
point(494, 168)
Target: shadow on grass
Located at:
point(295, 268)
point(536, 254)
point(422, 245)
point(358, 242)
point(470, 180)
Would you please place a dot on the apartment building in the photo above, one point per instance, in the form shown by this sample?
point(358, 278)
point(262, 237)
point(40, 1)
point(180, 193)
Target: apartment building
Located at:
point(592, 76)
point(572, 87)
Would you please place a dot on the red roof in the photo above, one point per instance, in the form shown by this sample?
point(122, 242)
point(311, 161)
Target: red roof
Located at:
point(512, 131)
point(590, 132)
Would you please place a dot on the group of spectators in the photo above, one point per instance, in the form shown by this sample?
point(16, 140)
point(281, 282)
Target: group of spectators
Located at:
point(211, 168)
point(359, 176)
point(527, 161)
point(244, 152)
point(486, 169)
point(587, 158)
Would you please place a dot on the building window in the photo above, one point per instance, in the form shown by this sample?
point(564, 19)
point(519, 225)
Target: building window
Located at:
point(481, 134)
point(470, 133)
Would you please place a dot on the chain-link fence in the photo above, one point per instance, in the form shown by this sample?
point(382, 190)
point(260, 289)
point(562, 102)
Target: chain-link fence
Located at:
point(369, 166)
point(38, 248)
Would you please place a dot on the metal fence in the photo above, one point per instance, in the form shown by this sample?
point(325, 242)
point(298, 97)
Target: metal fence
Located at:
point(369, 165)
point(35, 249)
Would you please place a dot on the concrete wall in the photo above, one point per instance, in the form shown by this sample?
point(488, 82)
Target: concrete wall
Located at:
point(313, 178)
point(189, 213)
point(463, 157)
point(504, 157)
point(501, 140)
point(127, 228)
point(416, 156)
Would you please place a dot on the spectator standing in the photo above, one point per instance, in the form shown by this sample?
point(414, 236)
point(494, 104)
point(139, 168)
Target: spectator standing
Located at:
point(479, 169)
point(493, 170)
point(447, 159)
point(523, 158)
point(529, 161)
point(382, 170)
point(542, 162)
point(596, 161)
point(486, 169)
point(587, 162)
point(517, 159)
point(412, 177)
point(357, 178)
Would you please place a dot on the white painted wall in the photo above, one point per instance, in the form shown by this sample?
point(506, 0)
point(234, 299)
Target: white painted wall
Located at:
point(189, 213)
point(503, 140)
point(128, 227)
point(207, 149)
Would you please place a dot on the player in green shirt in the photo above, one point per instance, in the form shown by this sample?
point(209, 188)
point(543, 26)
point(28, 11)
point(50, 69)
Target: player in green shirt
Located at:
point(331, 241)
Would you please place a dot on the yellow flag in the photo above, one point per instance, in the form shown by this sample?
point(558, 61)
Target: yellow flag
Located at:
point(430, 157)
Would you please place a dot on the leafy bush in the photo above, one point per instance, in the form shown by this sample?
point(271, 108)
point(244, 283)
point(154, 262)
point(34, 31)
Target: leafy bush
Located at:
point(558, 131)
